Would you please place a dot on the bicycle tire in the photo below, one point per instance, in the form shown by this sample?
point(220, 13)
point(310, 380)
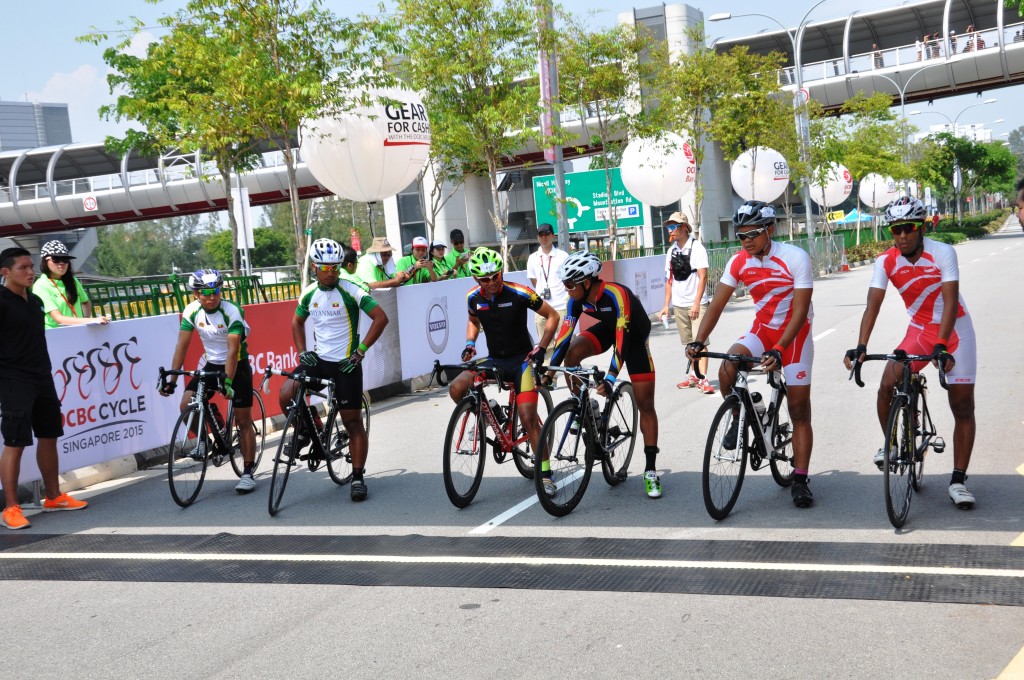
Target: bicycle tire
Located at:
point(187, 456)
point(781, 459)
point(569, 457)
point(898, 468)
point(259, 424)
point(338, 446)
point(524, 457)
point(925, 424)
point(724, 469)
point(465, 452)
point(618, 433)
point(287, 457)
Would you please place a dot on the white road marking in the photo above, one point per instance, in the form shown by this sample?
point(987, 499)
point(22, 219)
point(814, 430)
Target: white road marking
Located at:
point(521, 561)
point(516, 509)
point(819, 336)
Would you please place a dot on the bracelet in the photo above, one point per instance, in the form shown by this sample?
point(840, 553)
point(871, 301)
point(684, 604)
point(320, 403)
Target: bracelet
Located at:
point(362, 348)
point(470, 343)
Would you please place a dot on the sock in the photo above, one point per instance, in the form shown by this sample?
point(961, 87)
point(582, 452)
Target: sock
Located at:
point(357, 474)
point(248, 469)
point(651, 453)
point(545, 468)
point(959, 477)
point(799, 476)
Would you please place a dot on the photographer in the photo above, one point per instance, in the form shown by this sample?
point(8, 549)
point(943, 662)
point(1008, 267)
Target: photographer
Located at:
point(418, 265)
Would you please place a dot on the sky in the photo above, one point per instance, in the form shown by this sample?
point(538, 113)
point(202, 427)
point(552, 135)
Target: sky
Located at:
point(43, 62)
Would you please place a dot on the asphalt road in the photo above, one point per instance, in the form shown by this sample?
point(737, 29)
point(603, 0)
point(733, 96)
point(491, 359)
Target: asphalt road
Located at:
point(395, 587)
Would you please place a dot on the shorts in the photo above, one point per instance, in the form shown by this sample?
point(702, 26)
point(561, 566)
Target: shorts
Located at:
point(685, 325)
point(796, 359)
point(518, 371)
point(962, 345)
point(241, 383)
point(348, 387)
point(638, 360)
point(26, 408)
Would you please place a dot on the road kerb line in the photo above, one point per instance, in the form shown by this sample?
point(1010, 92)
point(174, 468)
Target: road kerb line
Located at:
point(516, 509)
point(819, 336)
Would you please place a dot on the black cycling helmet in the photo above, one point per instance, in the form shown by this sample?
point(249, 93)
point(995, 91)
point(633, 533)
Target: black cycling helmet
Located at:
point(906, 209)
point(754, 214)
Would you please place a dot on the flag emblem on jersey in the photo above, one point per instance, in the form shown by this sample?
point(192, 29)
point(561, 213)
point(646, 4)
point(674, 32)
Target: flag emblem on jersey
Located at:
point(220, 325)
point(335, 304)
point(316, 304)
point(483, 307)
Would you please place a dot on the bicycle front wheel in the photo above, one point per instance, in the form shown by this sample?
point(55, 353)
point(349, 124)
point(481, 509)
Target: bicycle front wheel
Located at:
point(924, 431)
point(259, 426)
point(339, 450)
point(523, 455)
point(187, 456)
point(563, 442)
point(286, 458)
point(725, 460)
point(899, 462)
point(619, 433)
point(465, 452)
point(781, 457)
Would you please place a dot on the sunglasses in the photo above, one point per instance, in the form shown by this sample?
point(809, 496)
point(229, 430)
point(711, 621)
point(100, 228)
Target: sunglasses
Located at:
point(905, 228)
point(487, 279)
point(60, 260)
point(326, 267)
point(569, 285)
point(208, 292)
point(747, 235)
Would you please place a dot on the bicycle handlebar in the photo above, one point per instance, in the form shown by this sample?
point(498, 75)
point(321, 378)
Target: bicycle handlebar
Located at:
point(315, 383)
point(216, 375)
point(488, 372)
point(738, 358)
point(591, 374)
point(899, 356)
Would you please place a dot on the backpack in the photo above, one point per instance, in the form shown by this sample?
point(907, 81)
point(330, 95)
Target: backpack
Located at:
point(681, 268)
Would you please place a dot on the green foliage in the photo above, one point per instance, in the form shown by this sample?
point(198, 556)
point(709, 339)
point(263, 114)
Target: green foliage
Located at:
point(950, 237)
point(333, 217)
point(867, 251)
point(1016, 140)
point(271, 248)
point(153, 247)
point(867, 137)
point(989, 167)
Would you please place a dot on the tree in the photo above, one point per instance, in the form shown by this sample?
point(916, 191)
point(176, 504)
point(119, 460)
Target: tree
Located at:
point(270, 248)
point(332, 217)
point(1016, 140)
point(127, 250)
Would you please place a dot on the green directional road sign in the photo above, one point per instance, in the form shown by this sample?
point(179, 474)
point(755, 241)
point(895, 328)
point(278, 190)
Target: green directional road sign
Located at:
point(586, 199)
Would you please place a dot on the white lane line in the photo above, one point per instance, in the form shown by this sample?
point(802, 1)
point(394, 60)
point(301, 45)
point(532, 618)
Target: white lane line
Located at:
point(977, 259)
point(516, 509)
point(819, 336)
point(522, 561)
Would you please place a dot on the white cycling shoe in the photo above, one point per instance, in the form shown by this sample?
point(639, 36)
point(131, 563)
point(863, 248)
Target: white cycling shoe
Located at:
point(961, 497)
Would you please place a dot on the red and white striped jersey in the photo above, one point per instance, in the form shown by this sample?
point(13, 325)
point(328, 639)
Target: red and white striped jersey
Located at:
point(771, 281)
point(920, 283)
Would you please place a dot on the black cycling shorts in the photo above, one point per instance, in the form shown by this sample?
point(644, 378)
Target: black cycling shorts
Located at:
point(348, 387)
point(26, 408)
point(638, 360)
point(241, 383)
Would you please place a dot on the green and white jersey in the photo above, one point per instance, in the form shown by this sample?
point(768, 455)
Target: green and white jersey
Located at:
point(335, 314)
point(215, 327)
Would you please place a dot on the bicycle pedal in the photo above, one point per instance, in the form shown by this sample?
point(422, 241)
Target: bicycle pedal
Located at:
point(938, 445)
point(218, 459)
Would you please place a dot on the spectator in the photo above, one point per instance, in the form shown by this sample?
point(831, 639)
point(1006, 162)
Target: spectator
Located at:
point(541, 268)
point(458, 257)
point(1018, 37)
point(417, 265)
point(64, 298)
point(936, 45)
point(969, 47)
point(376, 268)
point(919, 46)
point(952, 42)
point(442, 270)
point(28, 398)
point(876, 56)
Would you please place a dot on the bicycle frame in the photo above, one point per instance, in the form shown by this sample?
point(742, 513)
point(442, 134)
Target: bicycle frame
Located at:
point(482, 377)
point(201, 398)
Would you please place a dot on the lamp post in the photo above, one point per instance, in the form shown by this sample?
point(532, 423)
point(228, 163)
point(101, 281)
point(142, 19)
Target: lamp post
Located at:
point(800, 111)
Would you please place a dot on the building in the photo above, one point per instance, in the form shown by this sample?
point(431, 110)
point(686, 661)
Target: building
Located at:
point(29, 125)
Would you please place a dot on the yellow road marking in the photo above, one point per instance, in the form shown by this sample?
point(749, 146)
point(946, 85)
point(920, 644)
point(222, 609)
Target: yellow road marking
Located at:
point(1015, 669)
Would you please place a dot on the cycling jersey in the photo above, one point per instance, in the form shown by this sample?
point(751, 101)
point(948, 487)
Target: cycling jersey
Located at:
point(622, 323)
point(920, 283)
point(335, 314)
point(503, 318)
point(214, 328)
point(771, 281)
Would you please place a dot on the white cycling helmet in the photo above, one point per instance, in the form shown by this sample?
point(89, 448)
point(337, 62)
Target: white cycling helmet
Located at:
point(906, 209)
point(579, 266)
point(326, 251)
point(205, 278)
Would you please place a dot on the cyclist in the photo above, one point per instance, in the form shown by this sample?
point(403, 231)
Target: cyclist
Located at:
point(623, 324)
point(334, 304)
point(223, 331)
point(499, 308)
point(927, 276)
point(778, 276)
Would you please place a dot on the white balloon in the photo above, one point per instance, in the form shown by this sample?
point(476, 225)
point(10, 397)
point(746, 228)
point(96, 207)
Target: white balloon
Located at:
point(760, 174)
point(373, 152)
point(877, 191)
point(837, 187)
point(658, 171)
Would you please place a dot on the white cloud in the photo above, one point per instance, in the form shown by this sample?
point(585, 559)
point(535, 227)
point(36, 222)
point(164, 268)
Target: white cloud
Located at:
point(139, 43)
point(84, 90)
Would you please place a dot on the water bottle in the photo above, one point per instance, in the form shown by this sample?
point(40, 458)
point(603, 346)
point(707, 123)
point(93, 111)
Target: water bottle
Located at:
point(498, 412)
point(664, 321)
point(758, 405)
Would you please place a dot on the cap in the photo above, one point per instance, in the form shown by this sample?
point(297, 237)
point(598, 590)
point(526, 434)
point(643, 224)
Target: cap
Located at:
point(456, 236)
point(420, 242)
point(437, 244)
point(675, 219)
point(54, 249)
point(380, 245)
point(545, 228)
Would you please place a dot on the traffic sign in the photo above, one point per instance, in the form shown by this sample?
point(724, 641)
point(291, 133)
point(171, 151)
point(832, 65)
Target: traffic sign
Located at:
point(835, 215)
point(89, 204)
point(586, 198)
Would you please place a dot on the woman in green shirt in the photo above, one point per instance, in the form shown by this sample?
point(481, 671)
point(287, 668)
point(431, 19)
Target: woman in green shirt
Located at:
point(64, 298)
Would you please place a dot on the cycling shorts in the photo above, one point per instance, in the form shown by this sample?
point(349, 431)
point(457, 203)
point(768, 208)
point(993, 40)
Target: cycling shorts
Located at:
point(241, 383)
point(348, 387)
point(28, 407)
point(796, 359)
point(637, 361)
point(518, 371)
point(962, 345)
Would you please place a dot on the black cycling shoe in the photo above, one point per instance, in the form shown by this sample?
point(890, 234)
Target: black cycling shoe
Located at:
point(802, 496)
point(358, 490)
point(729, 440)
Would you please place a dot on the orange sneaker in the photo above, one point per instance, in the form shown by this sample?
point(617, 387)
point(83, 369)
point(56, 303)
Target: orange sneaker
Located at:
point(62, 502)
point(14, 519)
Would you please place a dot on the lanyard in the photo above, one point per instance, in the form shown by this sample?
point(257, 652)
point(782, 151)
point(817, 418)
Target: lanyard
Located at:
point(545, 269)
point(61, 293)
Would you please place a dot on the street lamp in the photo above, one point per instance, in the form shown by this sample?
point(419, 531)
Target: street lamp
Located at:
point(796, 38)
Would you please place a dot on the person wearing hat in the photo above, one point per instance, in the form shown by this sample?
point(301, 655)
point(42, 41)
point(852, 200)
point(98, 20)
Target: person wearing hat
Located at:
point(376, 268)
point(458, 257)
point(686, 289)
point(442, 270)
point(64, 298)
point(542, 268)
point(417, 265)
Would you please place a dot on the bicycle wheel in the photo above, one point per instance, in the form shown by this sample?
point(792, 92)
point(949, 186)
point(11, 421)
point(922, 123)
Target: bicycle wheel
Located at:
point(339, 451)
point(187, 456)
point(923, 431)
point(569, 458)
point(259, 425)
point(900, 462)
point(781, 460)
point(619, 433)
point(724, 468)
point(465, 452)
point(286, 458)
point(523, 455)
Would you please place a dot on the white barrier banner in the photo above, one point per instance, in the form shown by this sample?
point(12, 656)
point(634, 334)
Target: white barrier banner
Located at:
point(106, 379)
point(645, 276)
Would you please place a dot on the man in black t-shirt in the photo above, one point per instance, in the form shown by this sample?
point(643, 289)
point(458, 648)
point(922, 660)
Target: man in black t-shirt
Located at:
point(28, 399)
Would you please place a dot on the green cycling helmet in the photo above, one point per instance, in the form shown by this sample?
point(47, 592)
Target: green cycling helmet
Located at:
point(485, 262)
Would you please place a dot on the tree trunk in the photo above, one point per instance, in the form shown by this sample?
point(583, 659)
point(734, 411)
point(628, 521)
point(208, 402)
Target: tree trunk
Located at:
point(296, 204)
point(225, 176)
point(497, 214)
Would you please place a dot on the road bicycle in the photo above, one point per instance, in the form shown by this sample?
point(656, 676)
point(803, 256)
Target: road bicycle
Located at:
point(910, 432)
point(326, 437)
point(579, 433)
point(745, 427)
point(202, 436)
point(466, 440)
